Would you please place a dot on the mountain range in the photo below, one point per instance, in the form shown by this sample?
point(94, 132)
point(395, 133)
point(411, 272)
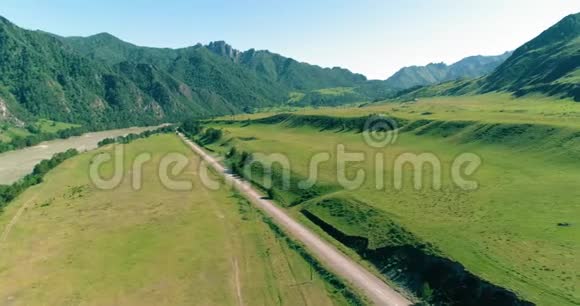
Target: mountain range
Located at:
point(434, 73)
point(101, 81)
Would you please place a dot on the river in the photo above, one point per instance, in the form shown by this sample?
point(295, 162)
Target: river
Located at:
point(14, 165)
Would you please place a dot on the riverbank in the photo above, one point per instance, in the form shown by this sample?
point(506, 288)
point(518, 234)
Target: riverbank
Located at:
point(14, 165)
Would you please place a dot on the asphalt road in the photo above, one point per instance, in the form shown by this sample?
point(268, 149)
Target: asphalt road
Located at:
point(370, 285)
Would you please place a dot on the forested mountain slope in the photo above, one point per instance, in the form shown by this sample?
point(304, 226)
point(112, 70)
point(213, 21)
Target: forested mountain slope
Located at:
point(102, 81)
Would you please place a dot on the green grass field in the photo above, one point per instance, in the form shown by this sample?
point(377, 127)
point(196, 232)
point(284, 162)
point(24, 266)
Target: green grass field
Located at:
point(51, 127)
point(336, 91)
point(43, 126)
point(7, 133)
point(483, 108)
point(328, 95)
point(507, 230)
point(65, 242)
point(295, 96)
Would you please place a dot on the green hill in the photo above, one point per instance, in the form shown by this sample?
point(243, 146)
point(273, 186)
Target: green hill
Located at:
point(547, 65)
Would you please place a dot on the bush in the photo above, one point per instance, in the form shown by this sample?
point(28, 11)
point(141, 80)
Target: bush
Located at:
point(190, 127)
point(271, 194)
point(211, 135)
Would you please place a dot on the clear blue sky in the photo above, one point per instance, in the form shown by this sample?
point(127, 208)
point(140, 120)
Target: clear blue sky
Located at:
point(371, 37)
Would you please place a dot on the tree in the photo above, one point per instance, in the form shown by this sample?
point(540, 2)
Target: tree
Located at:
point(271, 194)
point(190, 126)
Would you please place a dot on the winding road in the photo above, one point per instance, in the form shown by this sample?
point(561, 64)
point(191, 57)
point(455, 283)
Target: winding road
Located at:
point(369, 284)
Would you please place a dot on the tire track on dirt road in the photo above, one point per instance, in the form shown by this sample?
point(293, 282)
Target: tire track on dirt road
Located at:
point(14, 220)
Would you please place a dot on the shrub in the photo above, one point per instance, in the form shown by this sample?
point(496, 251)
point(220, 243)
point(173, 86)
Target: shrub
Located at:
point(190, 127)
point(211, 135)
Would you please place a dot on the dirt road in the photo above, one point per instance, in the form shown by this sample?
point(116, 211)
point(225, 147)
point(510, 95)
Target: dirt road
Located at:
point(370, 285)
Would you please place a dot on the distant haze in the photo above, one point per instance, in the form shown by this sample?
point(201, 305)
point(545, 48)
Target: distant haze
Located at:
point(375, 38)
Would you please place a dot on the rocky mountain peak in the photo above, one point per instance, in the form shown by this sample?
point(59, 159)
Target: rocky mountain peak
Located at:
point(224, 49)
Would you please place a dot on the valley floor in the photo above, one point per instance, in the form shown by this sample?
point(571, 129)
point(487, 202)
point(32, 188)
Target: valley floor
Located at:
point(518, 230)
point(373, 287)
point(66, 242)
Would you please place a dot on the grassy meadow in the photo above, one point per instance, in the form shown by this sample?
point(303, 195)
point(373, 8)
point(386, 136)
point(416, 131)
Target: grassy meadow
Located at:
point(493, 107)
point(52, 127)
point(65, 242)
point(7, 132)
point(519, 230)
